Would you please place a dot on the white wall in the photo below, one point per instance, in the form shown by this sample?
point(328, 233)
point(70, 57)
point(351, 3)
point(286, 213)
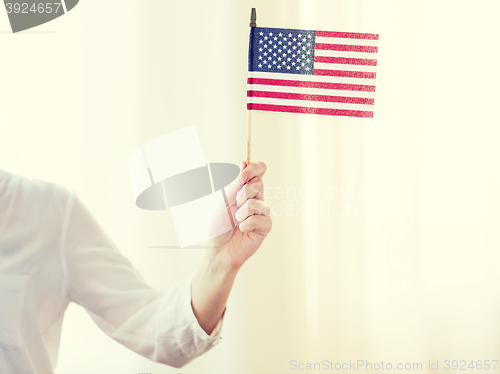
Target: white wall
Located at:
point(414, 279)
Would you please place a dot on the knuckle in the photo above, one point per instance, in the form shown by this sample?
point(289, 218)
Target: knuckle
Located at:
point(253, 204)
point(256, 186)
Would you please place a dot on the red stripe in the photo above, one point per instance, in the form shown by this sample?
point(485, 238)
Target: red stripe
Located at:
point(307, 84)
point(347, 74)
point(346, 48)
point(351, 35)
point(322, 98)
point(301, 109)
point(345, 60)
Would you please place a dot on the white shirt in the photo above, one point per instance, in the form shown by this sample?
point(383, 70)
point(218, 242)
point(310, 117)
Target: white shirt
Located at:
point(52, 252)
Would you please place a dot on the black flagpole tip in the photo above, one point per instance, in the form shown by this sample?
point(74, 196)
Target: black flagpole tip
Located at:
point(253, 18)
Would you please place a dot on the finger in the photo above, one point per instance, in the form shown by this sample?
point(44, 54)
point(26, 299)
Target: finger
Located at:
point(254, 170)
point(252, 190)
point(261, 225)
point(250, 208)
point(247, 173)
point(236, 185)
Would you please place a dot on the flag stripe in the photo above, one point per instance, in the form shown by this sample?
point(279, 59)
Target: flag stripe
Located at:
point(331, 53)
point(312, 78)
point(305, 97)
point(326, 40)
point(311, 91)
point(325, 66)
point(347, 61)
point(342, 73)
point(309, 104)
point(346, 48)
point(299, 109)
point(322, 85)
point(349, 35)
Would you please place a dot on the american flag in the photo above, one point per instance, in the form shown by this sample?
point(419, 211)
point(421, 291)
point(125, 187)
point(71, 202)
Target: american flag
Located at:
point(317, 72)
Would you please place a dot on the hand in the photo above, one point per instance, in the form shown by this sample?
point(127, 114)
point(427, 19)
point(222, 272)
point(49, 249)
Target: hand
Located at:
point(246, 201)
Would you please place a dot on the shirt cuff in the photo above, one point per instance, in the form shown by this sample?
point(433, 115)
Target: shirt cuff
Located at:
point(215, 336)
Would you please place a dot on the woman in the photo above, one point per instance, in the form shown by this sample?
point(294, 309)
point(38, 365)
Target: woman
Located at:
point(53, 252)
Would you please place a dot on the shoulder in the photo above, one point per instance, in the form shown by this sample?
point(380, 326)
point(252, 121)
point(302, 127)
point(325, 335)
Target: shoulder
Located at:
point(33, 197)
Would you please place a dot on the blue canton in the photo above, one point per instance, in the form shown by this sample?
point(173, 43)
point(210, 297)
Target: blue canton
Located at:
point(282, 51)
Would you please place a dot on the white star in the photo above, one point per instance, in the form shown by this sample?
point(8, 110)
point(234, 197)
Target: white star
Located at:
point(298, 67)
point(274, 54)
point(265, 37)
point(265, 53)
point(269, 66)
point(308, 60)
point(280, 42)
point(284, 39)
point(293, 55)
point(274, 46)
point(289, 43)
point(274, 62)
point(279, 50)
point(260, 49)
point(294, 47)
point(270, 34)
point(270, 50)
point(270, 58)
point(281, 34)
point(275, 38)
point(279, 67)
point(293, 63)
point(284, 47)
point(303, 64)
point(261, 33)
point(307, 69)
point(308, 52)
point(294, 39)
point(260, 57)
point(279, 58)
point(309, 36)
point(303, 56)
point(289, 59)
point(288, 67)
point(290, 35)
point(260, 41)
point(299, 43)
point(304, 48)
point(284, 63)
point(300, 35)
point(308, 44)
point(260, 65)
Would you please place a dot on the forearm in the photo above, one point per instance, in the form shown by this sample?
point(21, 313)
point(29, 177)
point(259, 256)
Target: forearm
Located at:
point(210, 290)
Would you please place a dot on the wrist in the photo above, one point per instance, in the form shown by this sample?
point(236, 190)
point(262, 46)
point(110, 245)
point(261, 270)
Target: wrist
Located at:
point(217, 262)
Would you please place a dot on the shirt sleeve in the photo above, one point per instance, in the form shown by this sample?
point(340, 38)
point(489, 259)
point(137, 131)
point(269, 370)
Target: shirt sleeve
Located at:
point(157, 325)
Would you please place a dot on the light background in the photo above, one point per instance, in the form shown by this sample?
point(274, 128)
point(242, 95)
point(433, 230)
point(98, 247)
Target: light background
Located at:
point(414, 279)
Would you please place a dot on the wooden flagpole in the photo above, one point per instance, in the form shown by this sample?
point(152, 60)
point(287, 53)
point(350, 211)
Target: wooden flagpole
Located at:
point(253, 23)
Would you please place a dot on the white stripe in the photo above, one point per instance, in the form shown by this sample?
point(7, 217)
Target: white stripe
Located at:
point(310, 91)
point(311, 78)
point(345, 67)
point(329, 53)
point(330, 66)
point(310, 104)
point(348, 41)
